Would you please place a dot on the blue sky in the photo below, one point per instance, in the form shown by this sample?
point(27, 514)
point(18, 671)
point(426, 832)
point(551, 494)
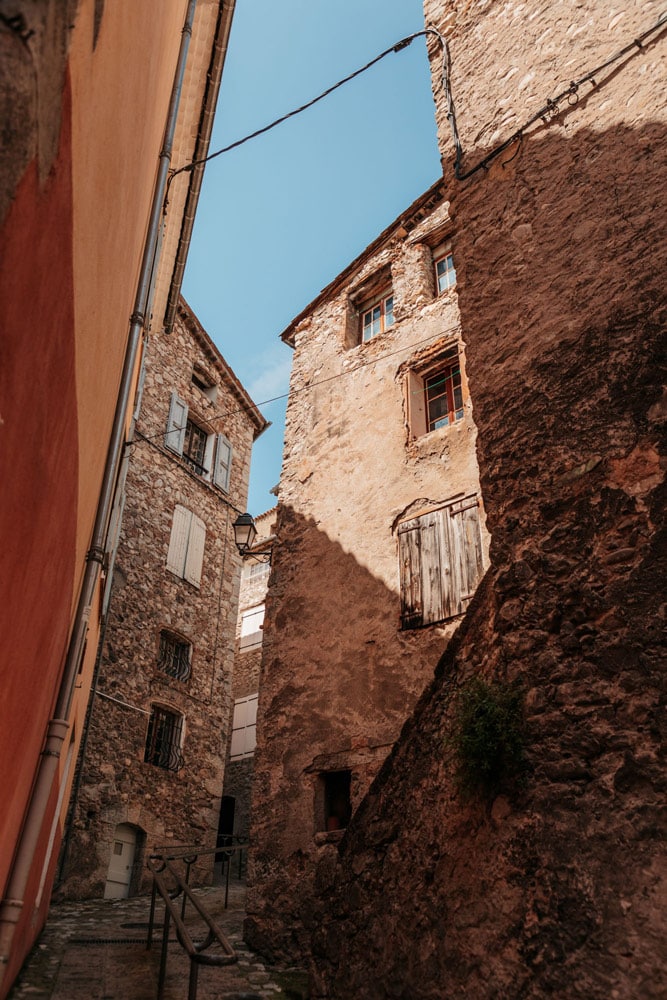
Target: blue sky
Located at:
point(281, 216)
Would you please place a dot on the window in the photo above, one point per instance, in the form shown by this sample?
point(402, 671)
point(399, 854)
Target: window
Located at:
point(174, 656)
point(441, 562)
point(163, 740)
point(255, 570)
point(337, 801)
point(444, 396)
point(194, 448)
point(251, 627)
point(208, 455)
point(185, 557)
point(204, 383)
point(445, 275)
point(377, 315)
point(244, 728)
point(435, 394)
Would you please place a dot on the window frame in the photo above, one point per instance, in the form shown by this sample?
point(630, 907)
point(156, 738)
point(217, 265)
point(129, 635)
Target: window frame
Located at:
point(253, 640)
point(439, 254)
point(187, 543)
point(244, 720)
point(166, 755)
point(367, 308)
point(417, 392)
point(217, 466)
point(184, 672)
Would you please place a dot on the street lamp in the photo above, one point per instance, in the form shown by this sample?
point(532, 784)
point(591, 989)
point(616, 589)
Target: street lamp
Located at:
point(245, 534)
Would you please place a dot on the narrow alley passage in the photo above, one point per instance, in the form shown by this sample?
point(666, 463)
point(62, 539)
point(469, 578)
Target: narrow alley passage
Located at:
point(96, 950)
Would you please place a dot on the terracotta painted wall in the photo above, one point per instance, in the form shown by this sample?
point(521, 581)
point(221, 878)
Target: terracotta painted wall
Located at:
point(72, 239)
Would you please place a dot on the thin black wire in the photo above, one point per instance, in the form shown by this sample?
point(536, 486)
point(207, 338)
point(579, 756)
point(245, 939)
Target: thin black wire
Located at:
point(306, 388)
point(397, 47)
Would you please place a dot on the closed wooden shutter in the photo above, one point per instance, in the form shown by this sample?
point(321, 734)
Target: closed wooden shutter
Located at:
point(409, 550)
point(194, 558)
point(178, 542)
point(223, 463)
point(441, 562)
point(465, 546)
point(174, 437)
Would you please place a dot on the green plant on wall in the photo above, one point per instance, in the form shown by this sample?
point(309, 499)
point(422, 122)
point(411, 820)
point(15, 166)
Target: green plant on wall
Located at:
point(487, 738)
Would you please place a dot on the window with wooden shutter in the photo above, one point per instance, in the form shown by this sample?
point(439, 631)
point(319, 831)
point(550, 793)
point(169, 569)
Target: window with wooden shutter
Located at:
point(174, 437)
point(186, 545)
point(441, 562)
point(244, 727)
point(223, 463)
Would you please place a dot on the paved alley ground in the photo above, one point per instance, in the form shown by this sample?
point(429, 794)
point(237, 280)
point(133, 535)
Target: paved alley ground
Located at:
point(96, 950)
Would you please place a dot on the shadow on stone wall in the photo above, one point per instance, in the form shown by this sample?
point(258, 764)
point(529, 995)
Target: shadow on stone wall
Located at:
point(561, 260)
point(339, 679)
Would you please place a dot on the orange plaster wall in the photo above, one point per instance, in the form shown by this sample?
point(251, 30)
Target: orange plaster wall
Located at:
point(39, 459)
point(71, 257)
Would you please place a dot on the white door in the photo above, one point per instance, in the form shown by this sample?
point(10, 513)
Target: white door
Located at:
point(121, 862)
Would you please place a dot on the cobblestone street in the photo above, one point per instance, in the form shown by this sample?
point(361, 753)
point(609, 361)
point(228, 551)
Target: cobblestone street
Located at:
point(96, 950)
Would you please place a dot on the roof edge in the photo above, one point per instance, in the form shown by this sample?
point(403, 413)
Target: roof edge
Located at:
point(405, 219)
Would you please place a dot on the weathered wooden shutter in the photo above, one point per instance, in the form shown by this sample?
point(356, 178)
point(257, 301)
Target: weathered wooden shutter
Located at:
point(414, 388)
point(465, 547)
point(174, 437)
point(409, 554)
point(178, 542)
point(223, 463)
point(194, 558)
point(441, 562)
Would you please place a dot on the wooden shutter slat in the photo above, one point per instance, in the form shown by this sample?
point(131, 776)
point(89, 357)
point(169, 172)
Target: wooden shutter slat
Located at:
point(195, 551)
point(174, 437)
point(223, 463)
point(178, 542)
point(410, 573)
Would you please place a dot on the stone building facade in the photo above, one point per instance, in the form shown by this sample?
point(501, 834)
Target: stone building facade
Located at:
point(556, 889)
point(239, 769)
point(381, 542)
point(153, 769)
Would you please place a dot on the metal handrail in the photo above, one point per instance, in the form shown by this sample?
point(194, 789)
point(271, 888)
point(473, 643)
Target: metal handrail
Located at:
point(161, 864)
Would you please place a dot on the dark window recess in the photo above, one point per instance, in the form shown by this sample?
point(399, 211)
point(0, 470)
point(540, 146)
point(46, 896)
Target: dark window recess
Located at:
point(194, 448)
point(163, 740)
point(174, 656)
point(200, 382)
point(337, 803)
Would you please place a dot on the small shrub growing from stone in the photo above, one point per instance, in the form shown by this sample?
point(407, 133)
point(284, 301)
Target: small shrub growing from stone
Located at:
point(488, 738)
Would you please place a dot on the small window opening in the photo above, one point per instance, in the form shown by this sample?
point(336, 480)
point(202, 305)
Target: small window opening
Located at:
point(337, 802)
point(163, 739)
point(174, 656)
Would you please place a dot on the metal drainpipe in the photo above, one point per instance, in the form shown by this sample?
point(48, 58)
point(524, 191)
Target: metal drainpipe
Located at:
point(57, 727)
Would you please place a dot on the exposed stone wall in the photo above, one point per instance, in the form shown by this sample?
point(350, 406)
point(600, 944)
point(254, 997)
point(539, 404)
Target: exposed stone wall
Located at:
point(239, 773)
point(560, 258)
point(339, 675)
point(118, 786)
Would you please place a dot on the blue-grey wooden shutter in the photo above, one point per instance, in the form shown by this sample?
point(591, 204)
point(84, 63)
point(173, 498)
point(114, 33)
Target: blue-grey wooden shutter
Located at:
point(178, 542)
point(194, 558)
point(174, 437)
point(223, 463)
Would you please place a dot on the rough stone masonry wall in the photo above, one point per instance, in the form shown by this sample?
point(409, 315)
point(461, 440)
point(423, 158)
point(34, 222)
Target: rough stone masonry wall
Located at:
point(561, 258)
point(118, 786)
point(339, 676)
